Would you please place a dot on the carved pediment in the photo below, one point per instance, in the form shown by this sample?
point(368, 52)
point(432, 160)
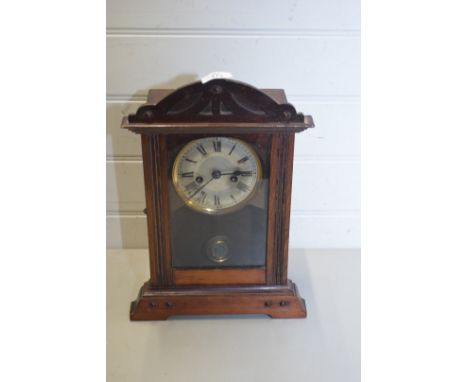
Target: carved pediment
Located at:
point(217, 100)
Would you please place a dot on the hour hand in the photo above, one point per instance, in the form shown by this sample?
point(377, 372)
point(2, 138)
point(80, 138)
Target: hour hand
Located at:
point(238, 173)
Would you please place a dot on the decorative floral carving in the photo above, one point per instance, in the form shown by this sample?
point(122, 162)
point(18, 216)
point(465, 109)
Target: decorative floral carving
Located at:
point(217, 100)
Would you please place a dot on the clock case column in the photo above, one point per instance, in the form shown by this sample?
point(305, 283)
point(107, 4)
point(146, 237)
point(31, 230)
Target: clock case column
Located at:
point(163, 296)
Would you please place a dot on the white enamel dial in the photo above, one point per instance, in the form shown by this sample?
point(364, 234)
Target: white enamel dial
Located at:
point(216, 175)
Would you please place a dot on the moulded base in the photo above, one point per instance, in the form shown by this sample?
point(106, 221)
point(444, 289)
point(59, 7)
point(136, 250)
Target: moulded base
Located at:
point(276, 301)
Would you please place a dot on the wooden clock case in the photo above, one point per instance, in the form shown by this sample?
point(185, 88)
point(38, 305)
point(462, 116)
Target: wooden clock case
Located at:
point(218, 107)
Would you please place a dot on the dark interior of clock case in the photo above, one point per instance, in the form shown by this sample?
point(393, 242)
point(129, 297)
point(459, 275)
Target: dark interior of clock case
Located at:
point(238, 238)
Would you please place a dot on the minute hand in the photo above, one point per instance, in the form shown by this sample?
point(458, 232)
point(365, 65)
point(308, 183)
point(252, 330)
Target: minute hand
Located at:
point(201, 188)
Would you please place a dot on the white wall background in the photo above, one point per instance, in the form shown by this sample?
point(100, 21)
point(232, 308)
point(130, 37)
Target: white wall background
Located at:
point(309, 48)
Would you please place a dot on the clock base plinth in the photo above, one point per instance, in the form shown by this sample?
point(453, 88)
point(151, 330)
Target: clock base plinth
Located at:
point(276, 301)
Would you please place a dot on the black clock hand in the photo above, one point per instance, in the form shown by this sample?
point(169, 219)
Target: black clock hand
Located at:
point(237, 173)
point(198, 190)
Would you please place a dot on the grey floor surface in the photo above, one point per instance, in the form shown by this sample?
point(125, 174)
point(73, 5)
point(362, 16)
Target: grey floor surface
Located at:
point(324, 347)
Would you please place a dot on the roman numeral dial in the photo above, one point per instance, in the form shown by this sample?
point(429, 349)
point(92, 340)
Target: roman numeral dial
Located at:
point(216, 175)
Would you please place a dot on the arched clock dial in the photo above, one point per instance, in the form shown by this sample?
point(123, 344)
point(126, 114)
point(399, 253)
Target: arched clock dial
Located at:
point(216, 175)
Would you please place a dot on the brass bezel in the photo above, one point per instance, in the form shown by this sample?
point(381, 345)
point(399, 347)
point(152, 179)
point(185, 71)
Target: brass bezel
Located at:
point(222, 211)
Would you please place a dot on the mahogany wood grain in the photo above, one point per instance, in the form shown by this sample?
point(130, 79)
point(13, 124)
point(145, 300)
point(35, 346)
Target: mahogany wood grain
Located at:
point(150, 194)
point(279, 205)
point(161, 304)
point(217, 128)
point(219, 276)
point(219, 100)
point(173, 291)
point(156, 95)
point(285, 206)
point(155, 168)
point(271, 231)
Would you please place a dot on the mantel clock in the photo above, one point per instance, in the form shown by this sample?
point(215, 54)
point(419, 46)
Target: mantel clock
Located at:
point(217, 159)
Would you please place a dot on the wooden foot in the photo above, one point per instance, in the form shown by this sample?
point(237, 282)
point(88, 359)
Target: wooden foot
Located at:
point(276, 301)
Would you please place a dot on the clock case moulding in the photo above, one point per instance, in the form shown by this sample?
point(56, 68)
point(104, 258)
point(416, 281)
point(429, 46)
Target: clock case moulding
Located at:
point(217, 107)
